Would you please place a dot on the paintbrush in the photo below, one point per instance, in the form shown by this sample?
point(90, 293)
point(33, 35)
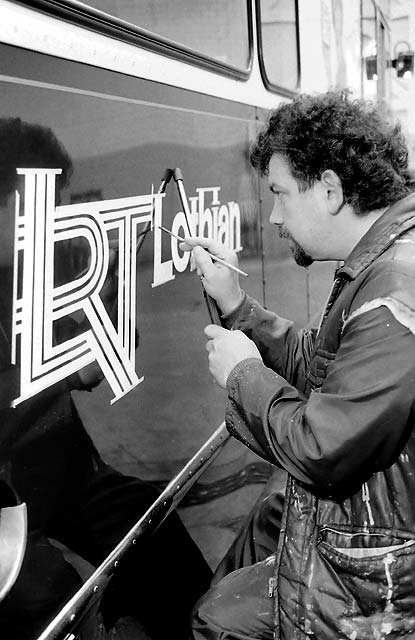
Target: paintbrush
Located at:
point(220, 260)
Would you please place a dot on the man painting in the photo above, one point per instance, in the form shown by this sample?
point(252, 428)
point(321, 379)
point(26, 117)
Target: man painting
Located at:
point(334, 406)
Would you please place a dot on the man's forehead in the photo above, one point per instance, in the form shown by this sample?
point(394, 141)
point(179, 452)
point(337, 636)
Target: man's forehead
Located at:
point(279, 169)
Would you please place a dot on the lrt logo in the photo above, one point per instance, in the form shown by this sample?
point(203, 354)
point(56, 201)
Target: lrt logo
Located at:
point(37, 303)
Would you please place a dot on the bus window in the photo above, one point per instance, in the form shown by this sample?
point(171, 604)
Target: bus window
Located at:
point(278, 43)
point(218, 29)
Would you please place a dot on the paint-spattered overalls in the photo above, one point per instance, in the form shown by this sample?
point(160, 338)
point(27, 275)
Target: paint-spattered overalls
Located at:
point(336, 411)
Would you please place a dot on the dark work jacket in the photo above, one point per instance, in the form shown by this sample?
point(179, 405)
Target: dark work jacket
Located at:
point(336, 410)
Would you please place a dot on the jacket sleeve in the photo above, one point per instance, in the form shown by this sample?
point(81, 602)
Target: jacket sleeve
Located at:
point(355, 425)
point(283, 349)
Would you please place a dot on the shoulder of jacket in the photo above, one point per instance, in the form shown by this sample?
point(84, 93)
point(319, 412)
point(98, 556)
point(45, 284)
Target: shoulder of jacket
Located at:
point(389, 278)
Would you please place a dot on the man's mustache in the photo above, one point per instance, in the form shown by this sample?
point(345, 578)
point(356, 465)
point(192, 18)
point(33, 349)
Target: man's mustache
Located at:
point(284, 233)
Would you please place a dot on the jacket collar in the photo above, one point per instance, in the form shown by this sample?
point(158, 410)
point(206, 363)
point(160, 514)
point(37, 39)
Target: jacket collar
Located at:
point(397, 219)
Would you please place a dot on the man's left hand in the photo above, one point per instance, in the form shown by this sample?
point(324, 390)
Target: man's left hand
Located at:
point(226, 349)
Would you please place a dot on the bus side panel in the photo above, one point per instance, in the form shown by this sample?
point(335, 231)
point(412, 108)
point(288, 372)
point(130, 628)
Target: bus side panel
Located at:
point(122, 133)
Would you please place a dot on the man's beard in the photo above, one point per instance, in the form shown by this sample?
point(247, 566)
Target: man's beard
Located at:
point(302, 258)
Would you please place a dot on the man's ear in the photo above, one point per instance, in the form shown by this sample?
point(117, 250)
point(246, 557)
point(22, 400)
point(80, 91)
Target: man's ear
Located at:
point(333, 190)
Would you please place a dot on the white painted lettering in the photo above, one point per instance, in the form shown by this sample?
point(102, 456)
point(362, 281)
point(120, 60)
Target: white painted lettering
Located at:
point(38, 303)
point(38, 228)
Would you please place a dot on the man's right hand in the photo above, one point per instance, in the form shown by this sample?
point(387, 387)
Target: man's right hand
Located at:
point(220, 283)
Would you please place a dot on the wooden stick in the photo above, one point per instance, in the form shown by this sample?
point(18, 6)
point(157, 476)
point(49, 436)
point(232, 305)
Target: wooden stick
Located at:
point(221, 260)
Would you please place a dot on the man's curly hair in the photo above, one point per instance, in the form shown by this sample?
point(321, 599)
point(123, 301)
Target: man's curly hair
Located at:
point(27, 145)
point(331, 131)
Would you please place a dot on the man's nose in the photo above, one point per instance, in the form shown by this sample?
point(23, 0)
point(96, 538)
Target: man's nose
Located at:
point(276, 217)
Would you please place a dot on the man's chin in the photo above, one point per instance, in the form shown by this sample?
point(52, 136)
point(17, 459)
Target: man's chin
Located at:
point(300, 256)
point(304, 260)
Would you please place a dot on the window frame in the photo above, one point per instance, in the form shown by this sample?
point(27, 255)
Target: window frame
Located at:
point(90, 18)
point(270, 86)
